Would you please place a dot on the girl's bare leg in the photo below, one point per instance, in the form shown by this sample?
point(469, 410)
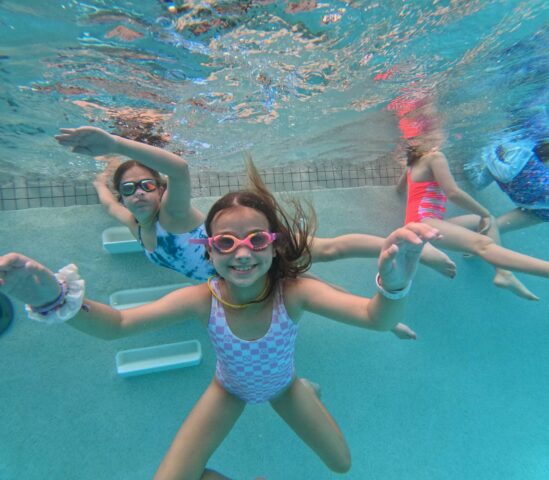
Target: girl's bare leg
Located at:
point(503, 277)
point(353, 245)
point(467, 221)
point(209, 422)
point(460, 239)
point(517, 219)
point(301, 409)
point(437, 260)
point(361, 245)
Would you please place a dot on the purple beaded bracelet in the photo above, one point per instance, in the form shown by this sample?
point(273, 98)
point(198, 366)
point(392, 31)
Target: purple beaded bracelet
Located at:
point(56, 304)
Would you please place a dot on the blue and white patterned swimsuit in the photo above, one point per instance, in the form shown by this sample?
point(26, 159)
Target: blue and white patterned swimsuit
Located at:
point(174, 251)
point(530, 187)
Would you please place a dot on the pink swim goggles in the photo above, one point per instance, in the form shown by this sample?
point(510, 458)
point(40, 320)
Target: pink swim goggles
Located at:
point(226, 243)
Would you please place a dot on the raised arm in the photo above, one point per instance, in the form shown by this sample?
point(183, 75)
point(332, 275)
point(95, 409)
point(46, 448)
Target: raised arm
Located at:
point(103, 321)
point(95, 141)
point(60, 298)
point(397, 265)
point(114, 208)
point(402, 185)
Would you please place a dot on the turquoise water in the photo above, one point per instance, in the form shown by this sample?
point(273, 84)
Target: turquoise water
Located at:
point(286, 86)
point(467, 400)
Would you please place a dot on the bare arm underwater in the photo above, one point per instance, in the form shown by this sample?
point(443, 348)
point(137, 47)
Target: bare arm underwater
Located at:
point(32, 283)
point(176, 201)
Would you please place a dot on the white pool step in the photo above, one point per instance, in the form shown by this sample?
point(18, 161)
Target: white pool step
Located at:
point(119, 240)
point(157, 358)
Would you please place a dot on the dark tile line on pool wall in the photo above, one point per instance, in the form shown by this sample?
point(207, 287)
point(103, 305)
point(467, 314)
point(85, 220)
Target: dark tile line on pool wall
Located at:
point(22, 193)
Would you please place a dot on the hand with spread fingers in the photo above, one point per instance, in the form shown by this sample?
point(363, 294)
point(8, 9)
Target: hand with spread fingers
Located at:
point(88, 140)
point(27, 280)
point(485, 224)
point(400, 254)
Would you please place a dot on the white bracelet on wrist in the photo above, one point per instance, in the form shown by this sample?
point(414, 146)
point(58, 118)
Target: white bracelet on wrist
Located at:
point(68, 304)
point(392, 294)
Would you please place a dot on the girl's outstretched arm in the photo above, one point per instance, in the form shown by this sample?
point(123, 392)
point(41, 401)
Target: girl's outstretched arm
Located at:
point(32, 283)
point(362, 245)
point(397, 265)
point(96, 142)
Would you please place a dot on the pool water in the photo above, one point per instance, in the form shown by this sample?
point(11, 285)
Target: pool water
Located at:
point(467, 400)
point(284, 84)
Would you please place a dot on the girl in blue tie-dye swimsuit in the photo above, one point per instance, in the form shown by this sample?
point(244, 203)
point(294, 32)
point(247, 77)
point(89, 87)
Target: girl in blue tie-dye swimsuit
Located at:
point(158, 212)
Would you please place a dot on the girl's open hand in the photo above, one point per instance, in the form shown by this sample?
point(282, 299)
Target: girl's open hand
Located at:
point(400, 254)
point(27, 280)
point(485, 224)
point(87, 140)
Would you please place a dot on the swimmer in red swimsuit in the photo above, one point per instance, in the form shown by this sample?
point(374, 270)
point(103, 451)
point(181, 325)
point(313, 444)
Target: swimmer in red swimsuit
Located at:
point(430, 182)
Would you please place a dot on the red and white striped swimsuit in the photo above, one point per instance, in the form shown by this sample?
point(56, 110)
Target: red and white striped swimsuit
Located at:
point(254, 370)
point(425, 199)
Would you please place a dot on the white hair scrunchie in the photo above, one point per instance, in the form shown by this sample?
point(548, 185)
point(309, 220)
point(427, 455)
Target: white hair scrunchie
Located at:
point(69, 302)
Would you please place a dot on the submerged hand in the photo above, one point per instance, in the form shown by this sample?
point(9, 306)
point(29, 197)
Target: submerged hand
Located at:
point(87, 140)
point(27, 280)
point(400, 254)
point(485, 224)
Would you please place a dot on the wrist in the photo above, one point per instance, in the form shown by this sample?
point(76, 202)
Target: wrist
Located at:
point(392, 294)
point(56, 301)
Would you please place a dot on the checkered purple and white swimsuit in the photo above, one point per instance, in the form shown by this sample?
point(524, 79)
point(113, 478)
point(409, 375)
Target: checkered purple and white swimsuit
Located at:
point(254, 370)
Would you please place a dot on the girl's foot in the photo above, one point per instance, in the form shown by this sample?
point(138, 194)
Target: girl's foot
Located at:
point(440, 262)
point(404, 332)
point(505, 279)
